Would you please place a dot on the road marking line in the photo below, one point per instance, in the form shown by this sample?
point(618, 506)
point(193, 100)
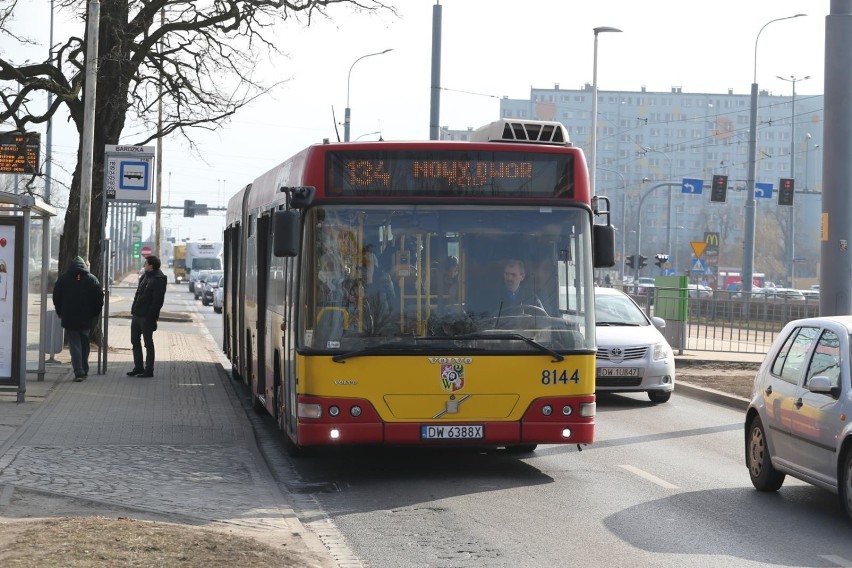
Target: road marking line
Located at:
point(647, 476)
point(839, 560)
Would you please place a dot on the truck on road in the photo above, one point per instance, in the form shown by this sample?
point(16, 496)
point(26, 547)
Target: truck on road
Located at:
point(202, 255)
point(179, 264)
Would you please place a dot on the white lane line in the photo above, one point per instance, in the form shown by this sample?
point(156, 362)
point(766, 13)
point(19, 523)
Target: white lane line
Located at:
point(647, 476)
point(839, 560)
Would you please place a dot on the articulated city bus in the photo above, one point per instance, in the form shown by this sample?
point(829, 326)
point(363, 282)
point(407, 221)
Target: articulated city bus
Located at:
point(367, 291)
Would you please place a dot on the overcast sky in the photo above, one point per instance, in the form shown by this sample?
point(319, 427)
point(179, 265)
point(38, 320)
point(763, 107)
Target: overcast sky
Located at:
point(490, 49)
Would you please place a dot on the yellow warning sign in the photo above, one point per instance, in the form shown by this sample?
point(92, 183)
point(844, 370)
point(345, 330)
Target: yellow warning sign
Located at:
point(698, 248)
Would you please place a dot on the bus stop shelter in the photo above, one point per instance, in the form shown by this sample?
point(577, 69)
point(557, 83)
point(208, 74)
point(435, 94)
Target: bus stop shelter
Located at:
point(24, 226)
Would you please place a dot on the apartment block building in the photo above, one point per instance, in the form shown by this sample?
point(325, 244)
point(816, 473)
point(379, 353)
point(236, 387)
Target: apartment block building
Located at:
point(648, 138)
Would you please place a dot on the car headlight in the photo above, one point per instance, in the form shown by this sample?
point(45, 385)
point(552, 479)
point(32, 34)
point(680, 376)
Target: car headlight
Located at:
point(662, 351)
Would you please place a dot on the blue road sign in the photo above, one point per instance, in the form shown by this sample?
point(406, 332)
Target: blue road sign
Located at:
point(698, 266)
point(763, 190)
point(693, 186)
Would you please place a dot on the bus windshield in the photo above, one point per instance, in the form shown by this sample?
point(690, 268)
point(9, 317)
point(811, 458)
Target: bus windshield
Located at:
point(496, 278)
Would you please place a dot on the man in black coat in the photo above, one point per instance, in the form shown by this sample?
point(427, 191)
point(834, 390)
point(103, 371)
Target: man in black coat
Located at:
point(145, 311)
point(78, 299)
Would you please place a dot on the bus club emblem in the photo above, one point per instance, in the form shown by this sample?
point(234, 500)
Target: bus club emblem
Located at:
point(452, 377)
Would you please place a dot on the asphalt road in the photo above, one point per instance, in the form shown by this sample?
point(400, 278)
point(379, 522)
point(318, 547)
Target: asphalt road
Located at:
point(663, 485)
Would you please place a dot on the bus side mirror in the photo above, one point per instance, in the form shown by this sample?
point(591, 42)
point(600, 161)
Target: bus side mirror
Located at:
point(287, 230)
point(603, 251)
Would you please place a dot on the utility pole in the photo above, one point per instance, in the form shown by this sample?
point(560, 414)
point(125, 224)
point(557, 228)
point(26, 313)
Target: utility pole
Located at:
point(92, 28)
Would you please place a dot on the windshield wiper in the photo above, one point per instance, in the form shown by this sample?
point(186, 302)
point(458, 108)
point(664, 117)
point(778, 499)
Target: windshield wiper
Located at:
point(508, 336)
point(617, 323)
point(394, 347)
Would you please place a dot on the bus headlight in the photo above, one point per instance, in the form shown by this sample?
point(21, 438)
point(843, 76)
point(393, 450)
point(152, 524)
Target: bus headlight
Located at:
point(355, 411)
point(333, 411)
point(547, 410)
point(567, 410)
point(334, 434)
point(588, 409)
point(566, 433)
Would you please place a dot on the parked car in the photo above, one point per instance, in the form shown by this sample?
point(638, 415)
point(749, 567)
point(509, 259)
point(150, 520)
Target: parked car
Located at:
point(797, 422)
point(633, 355)
point(699, 291)
point(210, 285)
point(810, 294)
point(782, 295)
point(219, 297)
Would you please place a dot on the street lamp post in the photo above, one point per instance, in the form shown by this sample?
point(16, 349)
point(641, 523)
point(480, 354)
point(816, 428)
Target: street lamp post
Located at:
point(623, 214)
point(347, 113)
point(791, 222)
point(594, 141)
point(669, 200)
point(748, 236)
point(670, 185)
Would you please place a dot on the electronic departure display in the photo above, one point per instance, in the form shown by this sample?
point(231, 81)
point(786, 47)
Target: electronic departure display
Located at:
point(450, 173)
point(19, 152)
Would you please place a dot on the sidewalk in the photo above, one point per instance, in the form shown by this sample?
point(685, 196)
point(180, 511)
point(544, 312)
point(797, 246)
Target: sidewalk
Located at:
point(178, 446)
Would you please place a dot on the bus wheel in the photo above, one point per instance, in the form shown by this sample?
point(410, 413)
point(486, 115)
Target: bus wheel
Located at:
point(521, 448)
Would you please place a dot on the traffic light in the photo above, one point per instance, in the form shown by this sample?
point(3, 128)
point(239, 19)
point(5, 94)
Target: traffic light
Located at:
point(143, 208)
point(631, 261)
point(719, 190)
point(643, 261)
point(661, 259)
point(786, 191)
point(188, 208)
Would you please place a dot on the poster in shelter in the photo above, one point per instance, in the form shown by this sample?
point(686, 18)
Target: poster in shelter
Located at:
point(7, 299)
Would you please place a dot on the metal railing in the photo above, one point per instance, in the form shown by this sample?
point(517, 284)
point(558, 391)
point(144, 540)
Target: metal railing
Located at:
point(739, 322)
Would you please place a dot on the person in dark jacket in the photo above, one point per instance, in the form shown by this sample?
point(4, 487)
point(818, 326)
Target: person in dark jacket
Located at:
point(145, 311)
point(78, 299)
point(512, 294)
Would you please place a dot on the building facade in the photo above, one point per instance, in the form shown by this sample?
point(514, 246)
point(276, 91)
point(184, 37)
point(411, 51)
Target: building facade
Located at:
point(646, 139)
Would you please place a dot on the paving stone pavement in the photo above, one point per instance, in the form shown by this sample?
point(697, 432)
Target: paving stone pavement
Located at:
point(178, 444)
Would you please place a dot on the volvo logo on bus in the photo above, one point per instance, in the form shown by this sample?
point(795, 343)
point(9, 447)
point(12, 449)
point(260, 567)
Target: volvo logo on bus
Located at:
point(450, 360)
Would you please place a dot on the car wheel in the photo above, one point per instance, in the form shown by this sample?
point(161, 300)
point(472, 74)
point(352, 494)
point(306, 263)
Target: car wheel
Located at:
point(763, 474)
point(204, 302)
point(845, 481)
point(659, 397)
point(217, 310)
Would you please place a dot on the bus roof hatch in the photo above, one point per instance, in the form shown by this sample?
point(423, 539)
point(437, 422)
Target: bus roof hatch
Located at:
point(530, 131)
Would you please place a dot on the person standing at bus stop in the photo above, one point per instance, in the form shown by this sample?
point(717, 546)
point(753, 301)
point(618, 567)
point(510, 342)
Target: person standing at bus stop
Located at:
point(78, 299)
point(145, 311)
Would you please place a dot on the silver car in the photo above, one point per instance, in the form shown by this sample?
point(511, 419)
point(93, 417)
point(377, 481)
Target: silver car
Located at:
point(798, 421)
point(219, 297)
point(633, 355)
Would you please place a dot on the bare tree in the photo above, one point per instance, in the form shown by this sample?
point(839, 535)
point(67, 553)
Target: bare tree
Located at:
point(197, 58)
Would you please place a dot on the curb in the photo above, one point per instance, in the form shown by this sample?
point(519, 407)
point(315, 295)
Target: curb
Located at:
point(711, 395)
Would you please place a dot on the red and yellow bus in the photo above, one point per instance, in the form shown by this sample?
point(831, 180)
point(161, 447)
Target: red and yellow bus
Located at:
point(365, 291)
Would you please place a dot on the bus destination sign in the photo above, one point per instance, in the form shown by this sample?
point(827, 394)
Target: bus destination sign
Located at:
point(19, 152)
point(450, 173)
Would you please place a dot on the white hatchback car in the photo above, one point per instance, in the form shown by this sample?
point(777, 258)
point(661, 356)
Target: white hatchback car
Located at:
point(798, 420)
point(633, 356)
